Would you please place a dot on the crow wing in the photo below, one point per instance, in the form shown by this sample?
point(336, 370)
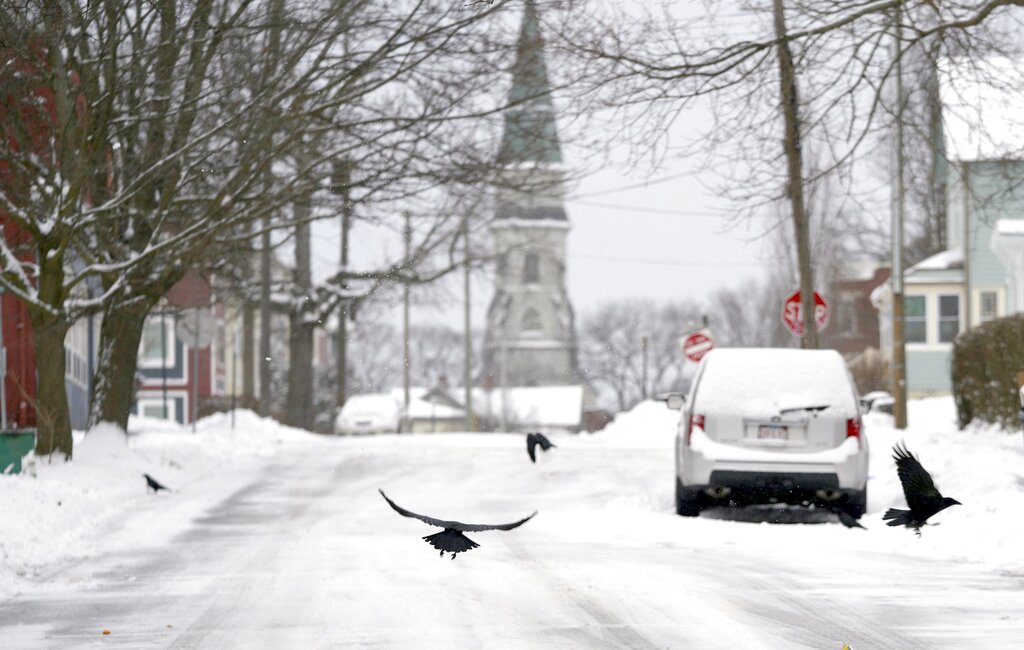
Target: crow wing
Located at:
point(534, 439)
point(455, 525)
point(531, 447)
point(153, 483)
point(916, 480)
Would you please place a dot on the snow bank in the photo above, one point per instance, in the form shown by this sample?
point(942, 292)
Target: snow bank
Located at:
point(982, 467)
point(648, 424)
point(54, 512)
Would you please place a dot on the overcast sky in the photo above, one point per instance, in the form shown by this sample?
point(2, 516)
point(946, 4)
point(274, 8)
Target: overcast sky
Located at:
point(668, 240)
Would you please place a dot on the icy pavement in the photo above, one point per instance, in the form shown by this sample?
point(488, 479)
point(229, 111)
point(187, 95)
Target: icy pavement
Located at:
point(296, 549)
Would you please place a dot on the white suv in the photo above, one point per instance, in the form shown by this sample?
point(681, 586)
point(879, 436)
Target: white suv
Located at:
point(765, 425)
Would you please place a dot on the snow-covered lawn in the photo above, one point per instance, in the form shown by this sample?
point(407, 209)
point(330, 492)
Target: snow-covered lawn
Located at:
point(52, 514)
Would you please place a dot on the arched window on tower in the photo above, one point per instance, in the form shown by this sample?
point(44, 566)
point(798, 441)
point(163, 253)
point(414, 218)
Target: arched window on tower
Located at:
point(531, 321)
point(531, 269)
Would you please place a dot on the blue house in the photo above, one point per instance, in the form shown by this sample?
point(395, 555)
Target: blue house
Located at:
point(981, 274)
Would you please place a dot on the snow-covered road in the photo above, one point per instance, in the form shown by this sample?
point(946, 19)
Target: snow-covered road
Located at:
point(301, 552)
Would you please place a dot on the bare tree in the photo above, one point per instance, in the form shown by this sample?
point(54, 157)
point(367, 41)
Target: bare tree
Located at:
point(148, 132)
point(842, 57)
point(749, 315)
point(612, 352)
point(376, 355)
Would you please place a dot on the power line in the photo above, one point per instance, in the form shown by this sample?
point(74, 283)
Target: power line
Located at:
point(629, 260)
point(661, 211)
point(634, 186)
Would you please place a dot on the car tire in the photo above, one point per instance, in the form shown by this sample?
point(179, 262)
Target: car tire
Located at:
point(857, 503)
point(688, 502)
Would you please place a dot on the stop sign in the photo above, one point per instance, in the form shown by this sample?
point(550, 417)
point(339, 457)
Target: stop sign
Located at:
point(792, 313)
point(697, 344)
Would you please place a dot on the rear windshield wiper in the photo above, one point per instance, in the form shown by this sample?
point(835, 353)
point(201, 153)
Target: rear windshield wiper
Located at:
point(803, 408)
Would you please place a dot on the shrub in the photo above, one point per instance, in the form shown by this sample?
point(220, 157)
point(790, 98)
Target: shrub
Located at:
point(986, 362)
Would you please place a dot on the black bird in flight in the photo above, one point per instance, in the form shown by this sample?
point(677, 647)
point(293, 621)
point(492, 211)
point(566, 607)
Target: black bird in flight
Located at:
point(534, 439)
point(153, 484)
point(845, 517)
point(451, 539)
point(922, 496)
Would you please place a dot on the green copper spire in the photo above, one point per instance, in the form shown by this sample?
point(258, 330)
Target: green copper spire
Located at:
point(530, 132)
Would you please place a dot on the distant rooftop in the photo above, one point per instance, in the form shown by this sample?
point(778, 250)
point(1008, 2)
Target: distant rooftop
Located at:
point(948, 259)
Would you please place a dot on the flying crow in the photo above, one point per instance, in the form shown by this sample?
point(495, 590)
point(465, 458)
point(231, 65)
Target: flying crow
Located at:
point(153, 484)
point(451, 538)
point(534, 439)
point(922, 496)
point(845, 517)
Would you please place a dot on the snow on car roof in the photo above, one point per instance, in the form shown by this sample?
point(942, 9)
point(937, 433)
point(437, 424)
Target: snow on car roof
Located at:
point(370, 403)
point(761, 382)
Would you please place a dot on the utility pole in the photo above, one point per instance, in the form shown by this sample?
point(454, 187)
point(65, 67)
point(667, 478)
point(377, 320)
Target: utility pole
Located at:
point(273, 48)
point(405, 313)
point(248, 352)
point(264, 405)
point(342, 183)
point(468, 339)
point(899, 379)
point(643, 372)
point(794, 160)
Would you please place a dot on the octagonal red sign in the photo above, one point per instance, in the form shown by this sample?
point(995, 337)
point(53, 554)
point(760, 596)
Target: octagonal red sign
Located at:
point(792, 313)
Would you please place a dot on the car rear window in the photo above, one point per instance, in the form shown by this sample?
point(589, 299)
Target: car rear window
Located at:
point(764, 382)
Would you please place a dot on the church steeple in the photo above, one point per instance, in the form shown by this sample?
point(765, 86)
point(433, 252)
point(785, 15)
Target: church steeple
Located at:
point(531, 135)
point(531, 338)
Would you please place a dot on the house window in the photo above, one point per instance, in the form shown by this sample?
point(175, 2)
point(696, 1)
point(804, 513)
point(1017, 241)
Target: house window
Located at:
point(915, 328)
point(153, 410)
point(156, 347)
point(949, 318)
point(989, 305)
point(531, 269)
point(531, 321)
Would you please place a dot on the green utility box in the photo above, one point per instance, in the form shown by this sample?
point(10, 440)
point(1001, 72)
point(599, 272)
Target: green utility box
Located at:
point(13, 447)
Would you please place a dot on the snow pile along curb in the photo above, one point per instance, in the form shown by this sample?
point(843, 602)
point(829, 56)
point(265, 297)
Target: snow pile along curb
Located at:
point(53, 512)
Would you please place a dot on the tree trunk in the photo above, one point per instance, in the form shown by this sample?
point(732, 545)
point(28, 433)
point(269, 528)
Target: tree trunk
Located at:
point(120, 335)
point(53, 418)
point(299, 412)
point(794, 160)
point(49, 328)
point(299, 409)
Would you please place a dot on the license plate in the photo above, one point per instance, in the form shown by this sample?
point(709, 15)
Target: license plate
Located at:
point(772, 432)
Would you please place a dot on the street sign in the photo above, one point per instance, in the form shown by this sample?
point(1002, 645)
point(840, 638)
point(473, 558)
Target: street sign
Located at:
point(792, 313)
point(696, 344)
point(196, 327)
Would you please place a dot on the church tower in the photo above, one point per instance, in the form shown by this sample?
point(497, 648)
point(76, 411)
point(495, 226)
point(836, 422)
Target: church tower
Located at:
point(530, 338)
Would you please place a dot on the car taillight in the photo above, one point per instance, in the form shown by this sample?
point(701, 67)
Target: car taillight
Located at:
point(854, 428)
point(696, 420)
